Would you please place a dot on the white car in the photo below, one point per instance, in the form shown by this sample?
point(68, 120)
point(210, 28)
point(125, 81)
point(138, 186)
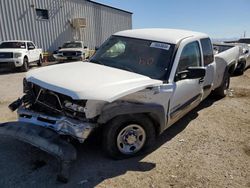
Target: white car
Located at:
point(72, 51)
point(137, 84)
point(19, 54)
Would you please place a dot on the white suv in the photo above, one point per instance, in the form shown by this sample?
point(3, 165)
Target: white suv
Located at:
point(19, 54)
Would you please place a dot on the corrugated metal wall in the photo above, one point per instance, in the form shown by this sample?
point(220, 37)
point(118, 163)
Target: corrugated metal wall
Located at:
point(18, 21)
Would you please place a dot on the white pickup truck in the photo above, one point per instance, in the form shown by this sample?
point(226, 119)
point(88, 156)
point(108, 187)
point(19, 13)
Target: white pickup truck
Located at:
point(227, 50)
point(72, 51)
point(137, 84)
point(19, 54)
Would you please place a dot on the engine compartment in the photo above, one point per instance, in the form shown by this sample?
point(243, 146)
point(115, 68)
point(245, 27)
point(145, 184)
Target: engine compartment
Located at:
point(49, 102)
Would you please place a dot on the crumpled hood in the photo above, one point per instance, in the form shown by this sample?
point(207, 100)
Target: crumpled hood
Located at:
point(83, 80)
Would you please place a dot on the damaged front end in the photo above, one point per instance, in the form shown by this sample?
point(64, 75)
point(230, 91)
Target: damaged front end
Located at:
point(43, 116)
point(56, 111)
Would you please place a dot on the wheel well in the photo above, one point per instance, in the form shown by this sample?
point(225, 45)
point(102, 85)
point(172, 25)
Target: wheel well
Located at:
point(242, 61)
point(151, 116)
point(155, 122)
point(231, 69)
point(25, 57)
point(154, 112)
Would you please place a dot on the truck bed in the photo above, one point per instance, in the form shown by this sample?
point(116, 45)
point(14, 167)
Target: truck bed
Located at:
point(228, 58)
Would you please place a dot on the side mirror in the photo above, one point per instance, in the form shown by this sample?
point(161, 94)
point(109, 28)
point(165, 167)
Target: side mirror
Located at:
point(246, 51)
point(191, 73)
point(85, 47)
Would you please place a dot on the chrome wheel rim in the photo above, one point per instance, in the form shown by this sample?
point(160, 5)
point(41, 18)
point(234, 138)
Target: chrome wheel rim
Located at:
point(131, 139)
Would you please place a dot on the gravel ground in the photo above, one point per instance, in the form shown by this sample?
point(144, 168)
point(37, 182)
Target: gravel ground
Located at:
point(209, 147)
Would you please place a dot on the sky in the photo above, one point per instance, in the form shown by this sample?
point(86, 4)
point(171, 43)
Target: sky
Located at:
point(220, 19)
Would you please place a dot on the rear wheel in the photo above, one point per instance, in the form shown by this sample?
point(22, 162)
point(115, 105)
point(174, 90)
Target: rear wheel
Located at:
point(223, 89)
point(25, 66)
point(127, 136)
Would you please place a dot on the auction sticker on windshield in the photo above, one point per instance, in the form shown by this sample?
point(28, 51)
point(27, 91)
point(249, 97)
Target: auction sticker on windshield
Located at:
point(159, 45)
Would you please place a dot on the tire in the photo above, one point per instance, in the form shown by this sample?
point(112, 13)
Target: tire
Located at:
point(241, 69)
point(40, 61)
point(25, 66)
point(223, 89)
point(137, 129)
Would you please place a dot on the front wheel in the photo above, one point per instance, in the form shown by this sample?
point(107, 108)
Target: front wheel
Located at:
point(25, 66)
point(40, 61)
point(127, 136)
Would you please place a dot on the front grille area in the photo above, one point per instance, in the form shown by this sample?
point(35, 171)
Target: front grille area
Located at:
point(49, 100)
point(69, 54)
point(53, 103)
point(6, 55)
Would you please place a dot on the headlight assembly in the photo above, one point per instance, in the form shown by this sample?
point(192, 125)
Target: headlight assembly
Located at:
point(17, 55)
point(74, 107)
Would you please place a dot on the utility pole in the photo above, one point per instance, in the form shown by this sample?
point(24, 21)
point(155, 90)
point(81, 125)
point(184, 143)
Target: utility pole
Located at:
point(244, 35)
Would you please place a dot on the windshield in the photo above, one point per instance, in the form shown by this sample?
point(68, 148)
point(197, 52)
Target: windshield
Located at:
point(144, 57)
point(13, 45)
point(72, 45)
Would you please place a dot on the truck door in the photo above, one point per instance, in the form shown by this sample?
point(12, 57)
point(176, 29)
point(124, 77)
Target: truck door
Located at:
point(31, 51)
point(187, 92)
point(209, 63)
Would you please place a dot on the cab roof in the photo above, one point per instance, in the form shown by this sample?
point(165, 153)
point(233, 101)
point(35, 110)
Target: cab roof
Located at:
point(172, 36)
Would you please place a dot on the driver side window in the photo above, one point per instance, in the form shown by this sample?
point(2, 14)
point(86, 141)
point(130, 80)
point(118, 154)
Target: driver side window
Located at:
point(30, 46)
point(190, 57)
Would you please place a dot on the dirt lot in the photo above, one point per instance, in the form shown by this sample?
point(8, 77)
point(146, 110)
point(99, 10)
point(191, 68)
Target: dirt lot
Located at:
point(210, 147)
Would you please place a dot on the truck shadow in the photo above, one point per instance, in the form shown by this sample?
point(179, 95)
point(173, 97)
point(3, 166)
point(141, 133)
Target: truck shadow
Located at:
point(5, 71)
point(8, 70)
point(180, 125)
point(34, 167)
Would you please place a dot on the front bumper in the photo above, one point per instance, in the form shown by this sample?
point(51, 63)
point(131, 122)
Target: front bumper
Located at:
point(61, 124)
point(11, 62)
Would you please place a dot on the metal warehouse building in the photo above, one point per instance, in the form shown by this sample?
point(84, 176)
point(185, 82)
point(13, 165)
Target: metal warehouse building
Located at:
point(50, 23)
